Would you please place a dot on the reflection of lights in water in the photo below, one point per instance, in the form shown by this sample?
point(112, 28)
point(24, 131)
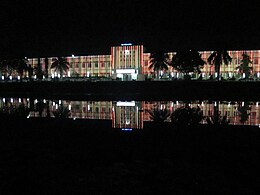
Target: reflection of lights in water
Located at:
point(126, 129)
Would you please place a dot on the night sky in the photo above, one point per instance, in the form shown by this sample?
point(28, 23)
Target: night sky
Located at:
point(91, 27)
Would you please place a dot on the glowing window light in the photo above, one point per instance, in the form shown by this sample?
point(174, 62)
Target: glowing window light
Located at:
point(56, 106)
point(215, 104)
point(3, 77)
point(70, 107)
point(243, 103)
point(126, 129)
point(53, 103)
point(12, 100)
point(19, 100)
point(11, 77)
point(126, 44)
point(127, 52)
point(59, 101)
point(4, 100)
point(132, 103)
point(256, 104)
point(88, 107)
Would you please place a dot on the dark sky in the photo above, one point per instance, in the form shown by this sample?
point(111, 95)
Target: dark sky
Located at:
point(92, 26)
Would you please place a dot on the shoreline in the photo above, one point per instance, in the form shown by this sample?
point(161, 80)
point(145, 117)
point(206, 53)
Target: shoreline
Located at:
point(134, 90)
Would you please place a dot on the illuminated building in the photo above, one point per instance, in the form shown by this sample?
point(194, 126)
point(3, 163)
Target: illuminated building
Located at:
point(130, 62)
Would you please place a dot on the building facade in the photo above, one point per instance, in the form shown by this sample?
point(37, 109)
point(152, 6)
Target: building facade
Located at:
point(130, 62)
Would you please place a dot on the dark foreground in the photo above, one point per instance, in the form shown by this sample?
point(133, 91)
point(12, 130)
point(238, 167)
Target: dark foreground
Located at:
point(70, 157)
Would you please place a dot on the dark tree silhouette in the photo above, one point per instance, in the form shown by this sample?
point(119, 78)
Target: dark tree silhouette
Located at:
point(159, 61)
point(217, 58)
point(60, 65)
point(244, 66)
point(187, 61)
point(243, 111)
point(159, 115)
point(61, 112)
point(187, 116)
point(46, 64)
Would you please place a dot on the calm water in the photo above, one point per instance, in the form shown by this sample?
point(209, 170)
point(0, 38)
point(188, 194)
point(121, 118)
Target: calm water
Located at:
point(130, 114)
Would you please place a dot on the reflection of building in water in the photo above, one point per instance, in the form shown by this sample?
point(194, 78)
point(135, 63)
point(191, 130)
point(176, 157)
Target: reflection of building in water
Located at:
point(130, 114)
point(127, 115)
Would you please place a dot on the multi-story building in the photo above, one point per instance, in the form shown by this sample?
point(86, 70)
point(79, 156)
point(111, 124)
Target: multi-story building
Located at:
point(130, 62)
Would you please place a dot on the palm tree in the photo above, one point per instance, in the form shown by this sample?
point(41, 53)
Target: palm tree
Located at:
point(243, 112)
point(20, 65)
point(244, 66)
point(159, 115)
point(60, 65)
point(159, 61)
point(217, 58)
point(61, 112)
point(187, 61)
